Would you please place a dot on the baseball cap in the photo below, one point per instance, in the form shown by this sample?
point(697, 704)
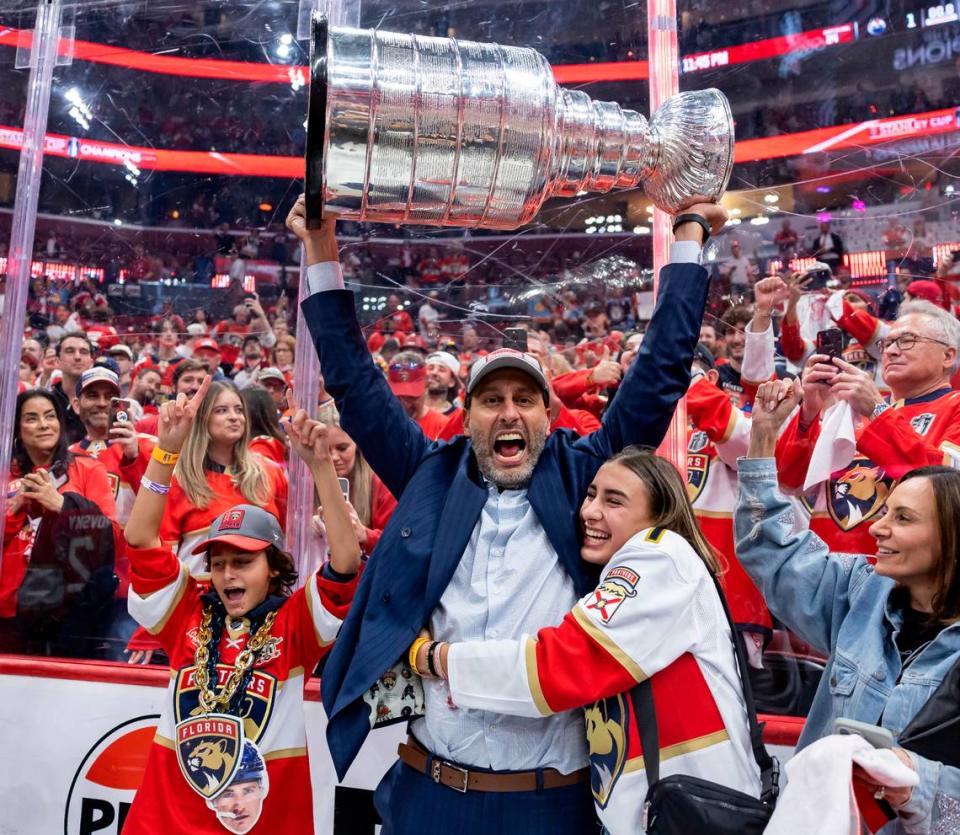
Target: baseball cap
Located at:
point(97, 374)
point(507, 358)
point(271, 374)
point(926, 290)
point(244, 526)
point(703, 355)
point(445, 358)
point(207, 344)
point(120, 348)
point(407, 379)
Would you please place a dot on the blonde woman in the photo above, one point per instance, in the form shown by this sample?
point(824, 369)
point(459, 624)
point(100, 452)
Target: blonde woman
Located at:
point(216, 471)
point(370, 503)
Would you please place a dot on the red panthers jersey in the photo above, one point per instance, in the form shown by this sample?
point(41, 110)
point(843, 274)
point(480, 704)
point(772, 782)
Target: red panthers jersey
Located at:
point(166, 601)
point(720, 435)
point(914, 433)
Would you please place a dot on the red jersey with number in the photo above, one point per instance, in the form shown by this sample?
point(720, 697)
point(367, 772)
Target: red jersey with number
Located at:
point(84, 476)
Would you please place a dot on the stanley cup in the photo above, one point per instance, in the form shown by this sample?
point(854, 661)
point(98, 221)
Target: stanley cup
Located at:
point(441, 132)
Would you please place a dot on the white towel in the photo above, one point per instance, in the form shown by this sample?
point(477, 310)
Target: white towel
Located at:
point(819, 792)
point(835, 447)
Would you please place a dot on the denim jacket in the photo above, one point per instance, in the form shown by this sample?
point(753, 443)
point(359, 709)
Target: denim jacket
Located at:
point(839, 604)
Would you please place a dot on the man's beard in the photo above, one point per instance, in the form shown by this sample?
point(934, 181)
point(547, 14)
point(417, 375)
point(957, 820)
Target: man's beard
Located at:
point(516, 476)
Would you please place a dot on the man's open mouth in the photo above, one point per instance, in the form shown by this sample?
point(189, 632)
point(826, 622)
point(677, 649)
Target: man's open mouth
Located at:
point(509, 447)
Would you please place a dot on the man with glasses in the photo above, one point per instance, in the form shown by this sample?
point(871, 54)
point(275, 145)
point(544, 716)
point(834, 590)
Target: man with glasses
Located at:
point(918, 425)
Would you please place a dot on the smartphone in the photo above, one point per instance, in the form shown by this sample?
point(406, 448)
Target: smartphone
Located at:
point(345, 488)
point(830, 342)
point(120, 409)
point(878, 737)
point(515, 338)
point(817, 277)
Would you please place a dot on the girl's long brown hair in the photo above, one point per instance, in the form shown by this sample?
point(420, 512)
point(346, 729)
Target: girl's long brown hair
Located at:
point(669, 500)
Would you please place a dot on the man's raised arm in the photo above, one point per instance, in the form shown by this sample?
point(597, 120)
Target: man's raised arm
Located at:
point(369, 413)
point(660, 373)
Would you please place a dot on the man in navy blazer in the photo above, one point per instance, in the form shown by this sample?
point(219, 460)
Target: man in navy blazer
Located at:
point(484, 543)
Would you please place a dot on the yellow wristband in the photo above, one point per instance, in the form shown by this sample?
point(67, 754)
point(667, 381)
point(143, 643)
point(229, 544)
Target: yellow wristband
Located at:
point(165, 457)
point(414, 649)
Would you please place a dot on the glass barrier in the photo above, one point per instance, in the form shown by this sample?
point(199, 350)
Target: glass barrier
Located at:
point(174, 150)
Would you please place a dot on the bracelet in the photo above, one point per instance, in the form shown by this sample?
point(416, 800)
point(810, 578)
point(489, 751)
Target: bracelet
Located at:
point(153, 487)
point(692, 218)
point(414, 651)
point(164, 457)
point(430, 654)
point(441, 669)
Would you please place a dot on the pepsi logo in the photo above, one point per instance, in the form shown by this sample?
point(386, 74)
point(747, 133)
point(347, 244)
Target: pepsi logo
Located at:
point(108, 777)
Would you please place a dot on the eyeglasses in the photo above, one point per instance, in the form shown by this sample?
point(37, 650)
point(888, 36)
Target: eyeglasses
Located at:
point(405, 366)
point(906, 342)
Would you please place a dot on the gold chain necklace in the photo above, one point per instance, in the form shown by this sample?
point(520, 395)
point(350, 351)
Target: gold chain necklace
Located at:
point(209, 700)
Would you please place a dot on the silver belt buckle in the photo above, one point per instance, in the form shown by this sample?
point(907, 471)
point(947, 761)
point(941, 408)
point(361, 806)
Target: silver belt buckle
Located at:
point(466, 777)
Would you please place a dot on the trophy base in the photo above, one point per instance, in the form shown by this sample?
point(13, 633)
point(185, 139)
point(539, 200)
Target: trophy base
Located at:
point(316, 181)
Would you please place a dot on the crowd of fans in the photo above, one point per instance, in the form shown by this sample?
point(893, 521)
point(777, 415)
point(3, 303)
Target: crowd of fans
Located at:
point(876, 372)
point(197, 114)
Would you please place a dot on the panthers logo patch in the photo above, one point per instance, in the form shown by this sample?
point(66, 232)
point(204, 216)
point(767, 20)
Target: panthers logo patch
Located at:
point(858, 493)
point(607, 741)
point(255, 709)
point(208, 751)
point(698, 468)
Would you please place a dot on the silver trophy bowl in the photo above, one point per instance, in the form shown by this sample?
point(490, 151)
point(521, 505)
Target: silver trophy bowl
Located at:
point(440, 132)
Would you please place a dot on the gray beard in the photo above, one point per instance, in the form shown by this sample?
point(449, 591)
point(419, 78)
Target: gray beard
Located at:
point(507, 479)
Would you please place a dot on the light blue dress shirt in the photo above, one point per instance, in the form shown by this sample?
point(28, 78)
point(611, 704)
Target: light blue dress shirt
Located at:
point(509, 583)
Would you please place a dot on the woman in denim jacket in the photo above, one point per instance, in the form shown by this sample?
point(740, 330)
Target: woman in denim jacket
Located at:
point(892, 629)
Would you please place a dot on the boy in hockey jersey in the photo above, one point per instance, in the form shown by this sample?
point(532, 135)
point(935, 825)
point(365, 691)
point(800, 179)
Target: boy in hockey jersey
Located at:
point(233, 725)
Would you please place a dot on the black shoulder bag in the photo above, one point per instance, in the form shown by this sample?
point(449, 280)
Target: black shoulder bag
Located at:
point(934, 732)
point(678, 804)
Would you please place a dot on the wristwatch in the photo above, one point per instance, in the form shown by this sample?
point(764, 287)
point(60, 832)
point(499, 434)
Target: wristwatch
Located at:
point(689, 217)
point(878, 410)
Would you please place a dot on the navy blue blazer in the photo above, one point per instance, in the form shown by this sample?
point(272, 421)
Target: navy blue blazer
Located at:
point(441, 494)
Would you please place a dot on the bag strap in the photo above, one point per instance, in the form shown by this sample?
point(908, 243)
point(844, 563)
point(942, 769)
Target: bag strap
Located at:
point(769, 766)
point(645, 712)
